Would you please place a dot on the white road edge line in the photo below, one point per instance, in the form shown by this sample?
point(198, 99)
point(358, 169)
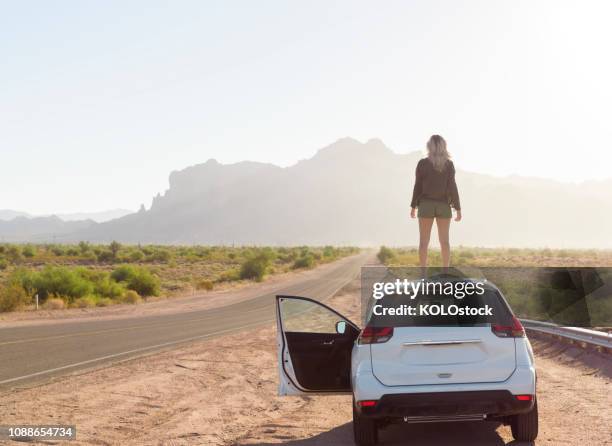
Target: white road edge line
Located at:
point(114, 355)
point(116, 329)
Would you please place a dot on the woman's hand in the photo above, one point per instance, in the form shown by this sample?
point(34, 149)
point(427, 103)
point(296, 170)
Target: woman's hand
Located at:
point(413, 213)
point(458, 216)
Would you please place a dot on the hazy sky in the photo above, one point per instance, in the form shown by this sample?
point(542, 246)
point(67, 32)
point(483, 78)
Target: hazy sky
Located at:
point(100, 100)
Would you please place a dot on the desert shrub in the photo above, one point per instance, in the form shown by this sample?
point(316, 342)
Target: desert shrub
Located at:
point(138, 279)
point(305, 261)
point(385, 255)
point(159, 255)
point(105, 256)
point(72, 251)
point(131, 297)
point(84, 247)
point(286, 257)
point(57, 251)
point(256, 266)
point(136, 256)
point(28, 251)
point(123, 273)
point(54, 303)
point(106, 287)
point(3, 263)
point(13, 253)
point(85, 302)
point(13, 296)
point(204, 285)
point(230, 275)
point(93, 275)
point(114, 248)
point(56, 280)
point(329, 252)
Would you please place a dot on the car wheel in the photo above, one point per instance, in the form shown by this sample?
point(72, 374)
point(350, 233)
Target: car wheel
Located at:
point(525, 425)
point(364, 429)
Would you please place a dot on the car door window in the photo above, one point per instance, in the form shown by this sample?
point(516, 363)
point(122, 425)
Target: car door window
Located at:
point(308, 317)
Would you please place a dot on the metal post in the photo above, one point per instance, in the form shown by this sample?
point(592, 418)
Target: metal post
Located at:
point(36, 301)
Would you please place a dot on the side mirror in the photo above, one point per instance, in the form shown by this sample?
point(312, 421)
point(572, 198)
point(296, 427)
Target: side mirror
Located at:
point(340, 327)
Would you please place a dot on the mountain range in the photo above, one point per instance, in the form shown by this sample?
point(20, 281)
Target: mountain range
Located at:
point(348, 193)
point(99, 217)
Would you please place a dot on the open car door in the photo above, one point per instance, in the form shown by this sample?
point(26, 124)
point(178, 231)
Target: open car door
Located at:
point(314, 347)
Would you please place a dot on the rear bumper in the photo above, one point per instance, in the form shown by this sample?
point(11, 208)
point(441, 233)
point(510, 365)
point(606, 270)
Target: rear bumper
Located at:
point(451, 405)
point(491, 399)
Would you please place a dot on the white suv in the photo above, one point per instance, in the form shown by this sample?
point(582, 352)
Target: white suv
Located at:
point(412, 369)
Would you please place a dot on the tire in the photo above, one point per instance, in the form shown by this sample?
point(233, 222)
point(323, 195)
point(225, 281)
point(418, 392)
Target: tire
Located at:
point(364, 429)
point(525, 425)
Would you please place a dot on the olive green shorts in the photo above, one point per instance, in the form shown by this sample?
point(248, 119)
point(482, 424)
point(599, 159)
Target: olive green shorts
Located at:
point(434, 208)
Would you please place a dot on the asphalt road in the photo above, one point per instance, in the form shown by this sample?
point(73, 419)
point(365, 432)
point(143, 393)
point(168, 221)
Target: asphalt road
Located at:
point(39, 352)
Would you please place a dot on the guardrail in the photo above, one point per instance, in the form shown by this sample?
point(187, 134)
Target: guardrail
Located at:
point(584, 337)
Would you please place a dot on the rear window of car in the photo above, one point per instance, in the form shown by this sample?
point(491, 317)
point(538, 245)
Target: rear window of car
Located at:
point(436, 310)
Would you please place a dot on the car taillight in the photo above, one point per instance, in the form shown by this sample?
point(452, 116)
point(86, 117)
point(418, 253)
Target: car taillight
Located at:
point(524, 397)
point(515, 330)
point(367, 403)
point(375, 335)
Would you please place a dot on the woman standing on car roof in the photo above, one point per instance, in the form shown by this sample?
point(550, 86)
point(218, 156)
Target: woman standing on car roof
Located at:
point(435, 191)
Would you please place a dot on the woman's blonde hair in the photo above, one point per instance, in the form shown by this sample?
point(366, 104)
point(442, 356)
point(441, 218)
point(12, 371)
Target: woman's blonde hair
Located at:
point(437, 153)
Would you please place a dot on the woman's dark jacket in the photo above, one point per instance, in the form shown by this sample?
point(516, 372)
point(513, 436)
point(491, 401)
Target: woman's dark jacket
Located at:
point(435, 185)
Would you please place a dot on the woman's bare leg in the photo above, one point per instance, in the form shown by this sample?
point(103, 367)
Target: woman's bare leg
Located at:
point(425, 225)
point(443, 225)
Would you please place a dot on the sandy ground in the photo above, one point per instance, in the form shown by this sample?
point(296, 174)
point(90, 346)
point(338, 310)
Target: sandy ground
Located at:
point(223, 392)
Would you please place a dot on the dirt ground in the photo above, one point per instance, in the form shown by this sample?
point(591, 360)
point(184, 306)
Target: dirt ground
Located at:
point(223, 392)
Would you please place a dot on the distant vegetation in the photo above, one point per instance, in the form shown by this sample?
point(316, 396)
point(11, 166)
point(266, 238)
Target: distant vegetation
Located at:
point(529, 290)
point(87, 275)
point(467, 256)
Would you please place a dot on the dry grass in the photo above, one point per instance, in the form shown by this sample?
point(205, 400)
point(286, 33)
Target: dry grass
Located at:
point(513, 257)
point(54, 303)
